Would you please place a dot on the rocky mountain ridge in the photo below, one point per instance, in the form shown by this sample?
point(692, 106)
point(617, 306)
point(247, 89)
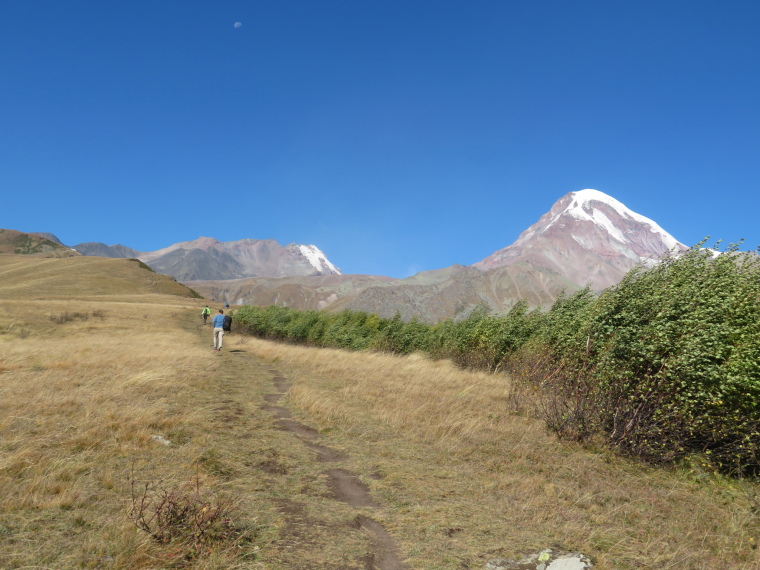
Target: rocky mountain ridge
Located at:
point(586, 238)
point(95, 249)
point(207, 258)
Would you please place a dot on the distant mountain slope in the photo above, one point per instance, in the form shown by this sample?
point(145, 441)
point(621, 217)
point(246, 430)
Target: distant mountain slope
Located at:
point(304, 292)
point(102, 250)
point(49, 236)
point(589, 238)
point(20, 243)
point(209, 259)
point(453, 292)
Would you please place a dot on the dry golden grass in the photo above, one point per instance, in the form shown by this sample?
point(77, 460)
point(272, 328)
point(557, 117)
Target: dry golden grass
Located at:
point(79, 402)
point(25, 277)
point(466, 480)
point(81, 399)
point(92, 369)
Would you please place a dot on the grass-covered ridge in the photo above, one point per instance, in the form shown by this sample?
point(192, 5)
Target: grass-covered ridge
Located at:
point(664, 365)
point(27, 276)
point(19, 243)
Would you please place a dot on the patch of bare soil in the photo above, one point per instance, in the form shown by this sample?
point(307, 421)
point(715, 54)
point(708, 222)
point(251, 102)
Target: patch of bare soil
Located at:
point(385, 556)
point(345, 486)
point(324, 453)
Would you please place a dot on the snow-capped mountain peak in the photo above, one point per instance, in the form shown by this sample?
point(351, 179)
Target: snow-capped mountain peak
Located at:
point(207, 258)
point(318, 259)
point(590, 204)
point(588, 237)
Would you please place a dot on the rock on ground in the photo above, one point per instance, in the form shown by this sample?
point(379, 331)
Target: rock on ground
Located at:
point(547, 559)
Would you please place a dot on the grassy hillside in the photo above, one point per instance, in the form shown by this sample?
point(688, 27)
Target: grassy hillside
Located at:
point(25, 277)
point(15, 242)
point(128, 443)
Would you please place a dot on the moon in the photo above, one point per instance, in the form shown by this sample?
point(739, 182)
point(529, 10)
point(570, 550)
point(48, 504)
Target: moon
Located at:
point(237, 25)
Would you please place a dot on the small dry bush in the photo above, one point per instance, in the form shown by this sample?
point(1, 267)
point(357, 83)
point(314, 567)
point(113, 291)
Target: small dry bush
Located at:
point(67, 317)
point(187, 515)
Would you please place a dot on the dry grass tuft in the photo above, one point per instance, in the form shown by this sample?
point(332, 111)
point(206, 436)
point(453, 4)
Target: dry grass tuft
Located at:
point(187, 515)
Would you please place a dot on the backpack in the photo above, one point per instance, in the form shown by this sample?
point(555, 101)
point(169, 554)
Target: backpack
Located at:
point(227, 325)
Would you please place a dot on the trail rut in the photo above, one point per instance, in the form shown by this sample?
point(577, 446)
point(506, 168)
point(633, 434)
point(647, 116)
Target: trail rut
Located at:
point(344, 485)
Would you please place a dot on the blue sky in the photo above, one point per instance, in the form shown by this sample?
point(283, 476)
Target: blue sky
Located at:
point(396, 136)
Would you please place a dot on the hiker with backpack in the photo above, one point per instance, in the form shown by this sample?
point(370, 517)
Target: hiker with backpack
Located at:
point(218, 323)
point(205, 314)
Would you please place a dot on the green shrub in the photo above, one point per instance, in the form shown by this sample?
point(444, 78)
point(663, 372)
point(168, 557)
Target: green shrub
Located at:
point(349, 329)
point(670, 358)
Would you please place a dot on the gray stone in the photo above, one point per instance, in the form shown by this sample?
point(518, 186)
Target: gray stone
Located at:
point(547, 559)
point(161, 439)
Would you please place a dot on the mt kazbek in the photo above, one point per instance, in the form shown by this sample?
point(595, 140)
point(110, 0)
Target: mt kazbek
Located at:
point(588, 237)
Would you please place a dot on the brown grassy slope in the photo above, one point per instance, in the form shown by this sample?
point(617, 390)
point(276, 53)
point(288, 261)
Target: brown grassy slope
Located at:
point(26, 277)
point(79, 403)
point(81, 399)
point(466, 480)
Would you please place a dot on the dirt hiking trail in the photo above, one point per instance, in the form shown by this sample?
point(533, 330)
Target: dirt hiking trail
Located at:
point(346, 486)
point(245, 378)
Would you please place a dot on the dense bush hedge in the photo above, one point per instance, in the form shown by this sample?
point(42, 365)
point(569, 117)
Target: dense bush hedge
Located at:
point(665, 364)
point(670, 359)
point(355, 330)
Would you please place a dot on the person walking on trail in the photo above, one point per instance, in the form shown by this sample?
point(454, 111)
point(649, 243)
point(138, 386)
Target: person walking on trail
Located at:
point(205, 314)
point(218, 322)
